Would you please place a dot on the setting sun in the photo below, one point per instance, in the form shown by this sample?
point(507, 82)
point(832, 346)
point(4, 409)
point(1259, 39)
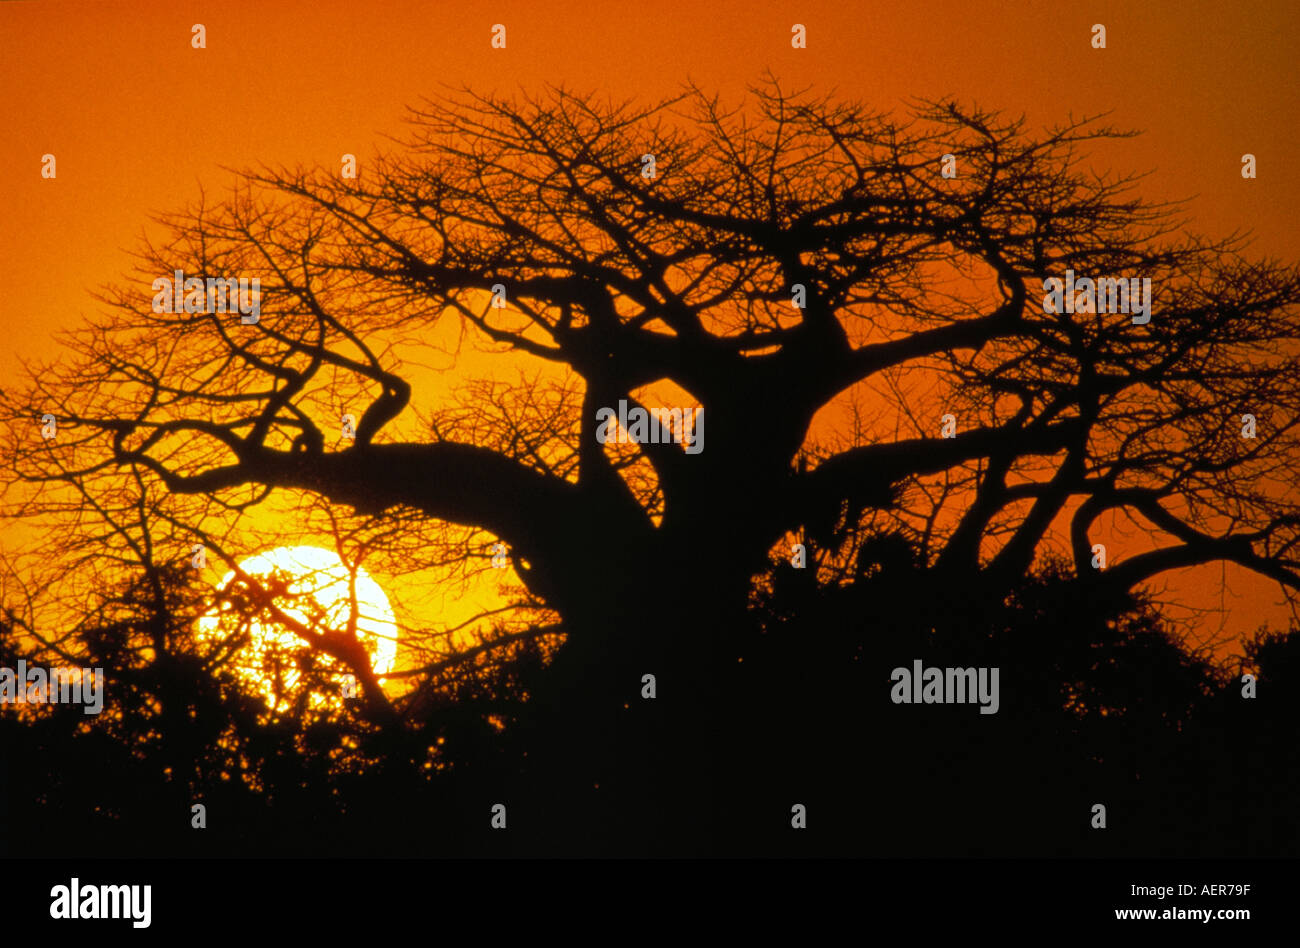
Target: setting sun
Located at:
point(313, 588)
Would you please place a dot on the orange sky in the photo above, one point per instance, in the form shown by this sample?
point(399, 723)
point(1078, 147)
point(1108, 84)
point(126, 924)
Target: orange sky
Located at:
point(138, 119)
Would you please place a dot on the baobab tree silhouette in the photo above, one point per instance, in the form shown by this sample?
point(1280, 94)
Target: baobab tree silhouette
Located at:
point(800, 267)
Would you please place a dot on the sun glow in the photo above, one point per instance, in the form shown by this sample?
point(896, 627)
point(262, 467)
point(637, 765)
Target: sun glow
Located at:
point(312, 588)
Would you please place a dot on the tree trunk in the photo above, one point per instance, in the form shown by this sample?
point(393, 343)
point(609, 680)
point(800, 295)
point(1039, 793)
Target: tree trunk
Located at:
point(629, 763)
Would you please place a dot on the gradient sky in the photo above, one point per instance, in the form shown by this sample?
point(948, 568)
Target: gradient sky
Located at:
point(138, 120)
